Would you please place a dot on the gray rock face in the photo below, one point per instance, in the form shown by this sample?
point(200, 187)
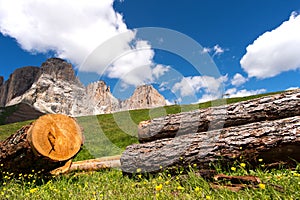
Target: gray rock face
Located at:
point(17, 84)
point(144, 96)
point(1, 80)
point(54, 88)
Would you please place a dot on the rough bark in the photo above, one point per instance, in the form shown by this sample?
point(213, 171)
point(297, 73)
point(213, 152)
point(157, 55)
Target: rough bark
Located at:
point(266, 108)
point(272, 141)
point(44, 145)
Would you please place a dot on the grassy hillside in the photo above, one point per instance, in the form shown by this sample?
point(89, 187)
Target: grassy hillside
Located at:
point(109, 134)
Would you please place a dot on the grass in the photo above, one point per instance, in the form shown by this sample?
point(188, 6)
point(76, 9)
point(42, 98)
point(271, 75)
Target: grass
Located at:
point(109, 134)
point(112, 184)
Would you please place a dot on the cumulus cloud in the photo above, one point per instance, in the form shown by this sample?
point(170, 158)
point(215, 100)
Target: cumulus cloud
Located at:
point(73, 29)
point(238, 80)
point(189, 86)
point(275, 51)
point(233, 92)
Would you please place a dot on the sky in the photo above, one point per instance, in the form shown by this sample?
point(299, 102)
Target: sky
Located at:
point(190, 51)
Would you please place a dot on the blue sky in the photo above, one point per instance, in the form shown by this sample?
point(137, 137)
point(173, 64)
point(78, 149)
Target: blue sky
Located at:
point(254, 44)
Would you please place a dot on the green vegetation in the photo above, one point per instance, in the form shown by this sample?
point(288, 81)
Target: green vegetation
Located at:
point(6, 112)
point(109, 134)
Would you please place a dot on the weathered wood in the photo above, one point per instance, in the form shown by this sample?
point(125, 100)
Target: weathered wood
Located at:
point(89, 165)
point(272, 107)
point(44, 145)
point(272, 141)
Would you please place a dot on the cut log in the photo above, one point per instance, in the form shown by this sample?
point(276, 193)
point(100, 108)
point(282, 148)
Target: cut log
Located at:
point(274, 107)
point(44, 145)
point(89, 165)
point(272, 141)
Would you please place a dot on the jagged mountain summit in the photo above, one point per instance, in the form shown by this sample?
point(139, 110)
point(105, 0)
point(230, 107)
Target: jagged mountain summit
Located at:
point(54, 88)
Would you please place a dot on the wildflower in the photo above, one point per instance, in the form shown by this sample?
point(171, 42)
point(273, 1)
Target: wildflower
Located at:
point(233, 168)
point(140, 175)
point(197, 189)
point(1, 165)
point(241, 148)
point(33, 190)
point(157, 195)
point(32, 171)
point(260, 160)
point(160, 167)
point(169, 175)
point(262, 186)
point(208, 197)
point(138, 170)
point(159, 178)
point(195, 165)
point(243, 165)
point(158, 187)
point(181, 158)
point(167, 182)
point(180, 187)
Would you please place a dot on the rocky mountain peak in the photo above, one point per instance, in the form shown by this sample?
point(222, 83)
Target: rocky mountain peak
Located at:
point(1, 80)
point(145, 96)
point(54, 88)
point(18, 83)
point(59, 69)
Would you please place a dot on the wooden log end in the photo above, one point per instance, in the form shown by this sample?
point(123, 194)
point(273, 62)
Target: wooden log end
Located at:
point(55, 136)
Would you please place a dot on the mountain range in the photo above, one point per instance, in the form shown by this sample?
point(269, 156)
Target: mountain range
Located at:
point(54, 88)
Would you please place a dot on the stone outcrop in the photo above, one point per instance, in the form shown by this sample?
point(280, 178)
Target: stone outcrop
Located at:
point(17, 84)
point(144, 96)
point(1, 80)
point(54, 88)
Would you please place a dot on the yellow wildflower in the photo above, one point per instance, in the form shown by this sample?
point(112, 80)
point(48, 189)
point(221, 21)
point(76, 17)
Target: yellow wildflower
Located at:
point(233, 168)
point(180, 187)
point(33, 190)
point(208, 197)
point(197, 189)
point(158, 187)
point(243, 165)
point(138, 170)
point(262, 186)
point(260, 160)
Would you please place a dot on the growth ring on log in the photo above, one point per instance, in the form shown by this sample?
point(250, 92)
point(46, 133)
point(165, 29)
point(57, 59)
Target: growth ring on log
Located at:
point(55, 136)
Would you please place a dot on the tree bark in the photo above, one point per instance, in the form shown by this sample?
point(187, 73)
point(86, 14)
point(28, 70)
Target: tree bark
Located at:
point(44, 145)
point(274, 107)
point(272, 141)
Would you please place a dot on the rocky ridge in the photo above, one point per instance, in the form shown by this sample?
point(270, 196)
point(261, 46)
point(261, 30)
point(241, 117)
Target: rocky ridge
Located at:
point(54, 88)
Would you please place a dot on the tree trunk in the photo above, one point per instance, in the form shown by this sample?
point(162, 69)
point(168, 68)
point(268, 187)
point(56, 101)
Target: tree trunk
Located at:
point(44, 145)
point(272, 141)
point(266, 108)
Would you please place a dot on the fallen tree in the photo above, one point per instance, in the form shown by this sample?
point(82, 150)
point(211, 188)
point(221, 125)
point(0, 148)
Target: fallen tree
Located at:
point(44, 145)
point(272, 141)
point(266, 108)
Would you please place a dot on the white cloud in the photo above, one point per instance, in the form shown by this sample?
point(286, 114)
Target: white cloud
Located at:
point(292, 88)
point(238, 80)
point(233, 92)
point(274, 52)
point(188, 86)
point(72, 29)
point(208, 97)
point(159, 70)
point(168, 102)
point(215, 51)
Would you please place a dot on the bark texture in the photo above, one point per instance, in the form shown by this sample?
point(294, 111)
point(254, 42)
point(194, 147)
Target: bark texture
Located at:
point(44, 145)
point(272, 141)
point(274, 107)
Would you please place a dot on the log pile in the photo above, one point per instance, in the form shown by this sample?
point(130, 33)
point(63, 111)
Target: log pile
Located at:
point(48, 143)
point(266, 128)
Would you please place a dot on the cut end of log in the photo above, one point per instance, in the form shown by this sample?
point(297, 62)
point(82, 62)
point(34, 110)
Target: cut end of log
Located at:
point(55, 136)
